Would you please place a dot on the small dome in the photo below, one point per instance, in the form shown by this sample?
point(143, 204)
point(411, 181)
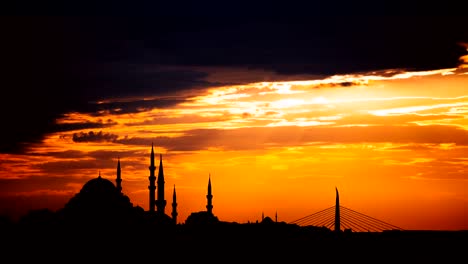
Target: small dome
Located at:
point(267, 220)
point(201, 218)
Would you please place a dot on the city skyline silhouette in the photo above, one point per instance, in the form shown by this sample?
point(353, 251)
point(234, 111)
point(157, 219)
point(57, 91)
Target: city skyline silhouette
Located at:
point(100, 218)
point(101, 190)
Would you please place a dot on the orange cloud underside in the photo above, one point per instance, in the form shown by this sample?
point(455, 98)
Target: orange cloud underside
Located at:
point(395, 147)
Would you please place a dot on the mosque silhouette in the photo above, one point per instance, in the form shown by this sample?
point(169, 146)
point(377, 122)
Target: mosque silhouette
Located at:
point(100, 200)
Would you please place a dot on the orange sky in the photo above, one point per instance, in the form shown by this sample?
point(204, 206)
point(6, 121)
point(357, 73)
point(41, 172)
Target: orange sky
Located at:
point(394, 143)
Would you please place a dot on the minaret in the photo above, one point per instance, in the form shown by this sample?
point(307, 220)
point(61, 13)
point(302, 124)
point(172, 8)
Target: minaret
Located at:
point(118, 180)
point(174, 207)
point(160, 203)
point(337, 212)
point(209, 197)
point(152, 180)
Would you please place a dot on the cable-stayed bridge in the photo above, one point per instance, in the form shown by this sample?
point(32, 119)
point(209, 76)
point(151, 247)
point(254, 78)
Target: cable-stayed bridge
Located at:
point(340, 218)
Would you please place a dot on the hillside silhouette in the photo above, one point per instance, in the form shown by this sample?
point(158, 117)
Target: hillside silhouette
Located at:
point(100, 223)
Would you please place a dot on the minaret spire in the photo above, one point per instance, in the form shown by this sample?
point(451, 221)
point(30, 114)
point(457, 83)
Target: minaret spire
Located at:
point(174, 207)
point(152, 156)
point(152, 181)
point(118, 180)
point(209, 197)
point(160, 202)
point(337, 212)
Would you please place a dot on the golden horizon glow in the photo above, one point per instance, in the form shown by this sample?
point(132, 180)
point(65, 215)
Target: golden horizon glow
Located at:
point(394, 143)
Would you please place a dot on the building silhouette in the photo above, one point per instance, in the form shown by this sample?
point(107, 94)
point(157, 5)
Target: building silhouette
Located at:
point(102, 200)
point(160, 202)
point(152, 182)
point(174, 206)
point(204, 217)
point(99, 201)
point(209, 198)
point(157, 206)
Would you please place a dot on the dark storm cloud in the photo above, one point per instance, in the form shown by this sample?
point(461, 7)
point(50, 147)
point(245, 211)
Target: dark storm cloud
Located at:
point(92, 136)
point(52, 65)
point(133, 106)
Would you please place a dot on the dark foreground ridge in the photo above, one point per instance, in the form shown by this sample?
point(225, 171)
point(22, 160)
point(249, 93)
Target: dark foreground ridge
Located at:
point(223, 242)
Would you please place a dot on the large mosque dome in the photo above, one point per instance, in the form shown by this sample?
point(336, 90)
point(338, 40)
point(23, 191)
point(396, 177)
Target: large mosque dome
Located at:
point(98, 200)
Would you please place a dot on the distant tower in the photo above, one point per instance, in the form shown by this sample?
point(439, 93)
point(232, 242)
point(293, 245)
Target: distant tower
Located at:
point(118, 180)
point(160, 203)
point(337, 212)
point(152, 180)
point(174, 207)
point(276, 216)
point(209, 197)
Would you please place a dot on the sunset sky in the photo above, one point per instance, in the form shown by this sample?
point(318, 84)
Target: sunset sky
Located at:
point(276, 110)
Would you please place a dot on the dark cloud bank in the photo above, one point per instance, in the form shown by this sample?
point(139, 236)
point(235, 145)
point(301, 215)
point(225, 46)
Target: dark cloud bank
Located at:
point(55, 64)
